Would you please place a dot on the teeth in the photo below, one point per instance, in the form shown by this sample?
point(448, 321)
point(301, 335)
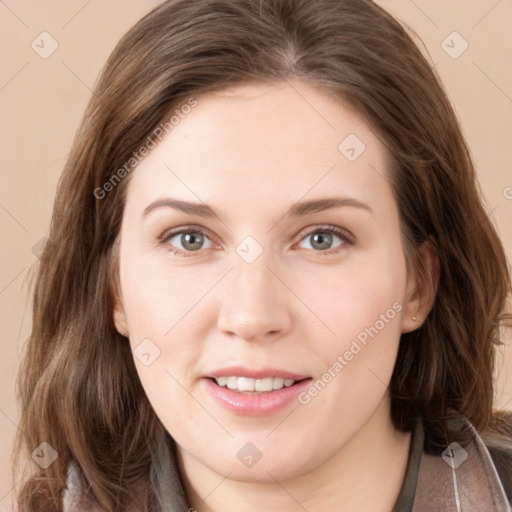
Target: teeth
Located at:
point(222, 381)
point(247, 384)
point(264, 384)
point(232, 383)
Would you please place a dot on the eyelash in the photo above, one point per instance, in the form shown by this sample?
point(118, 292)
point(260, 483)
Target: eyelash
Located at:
point(346, 238)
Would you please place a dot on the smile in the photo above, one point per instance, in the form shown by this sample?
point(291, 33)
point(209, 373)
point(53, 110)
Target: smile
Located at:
point(247, 384)
point(249, 392)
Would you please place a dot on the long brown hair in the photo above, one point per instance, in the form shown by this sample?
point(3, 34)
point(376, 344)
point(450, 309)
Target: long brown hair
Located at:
point(78, 386)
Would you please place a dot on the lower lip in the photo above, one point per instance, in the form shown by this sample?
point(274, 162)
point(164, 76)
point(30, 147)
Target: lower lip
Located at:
point(254, 404)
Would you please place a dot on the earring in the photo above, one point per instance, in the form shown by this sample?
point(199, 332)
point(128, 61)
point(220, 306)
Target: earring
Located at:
point(414, 319)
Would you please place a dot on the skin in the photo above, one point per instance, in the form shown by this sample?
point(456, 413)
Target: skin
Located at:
point(251, 153)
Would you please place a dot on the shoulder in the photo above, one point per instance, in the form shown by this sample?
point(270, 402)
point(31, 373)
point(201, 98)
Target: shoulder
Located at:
point(503, 463)
point(501, 455)
point(71, 501)
point(72, 489)
point(473, 476)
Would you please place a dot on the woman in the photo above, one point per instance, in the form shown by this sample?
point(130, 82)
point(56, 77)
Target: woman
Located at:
point(270, 282)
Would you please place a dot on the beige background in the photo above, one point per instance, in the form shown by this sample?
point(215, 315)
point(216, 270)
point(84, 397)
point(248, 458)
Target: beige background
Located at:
point(42, 100)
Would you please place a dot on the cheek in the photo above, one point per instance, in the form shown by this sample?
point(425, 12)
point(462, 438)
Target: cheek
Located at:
point(166, 315)
point(352, 298)
point(157, 298)
point(363, 307)
point(168, 319)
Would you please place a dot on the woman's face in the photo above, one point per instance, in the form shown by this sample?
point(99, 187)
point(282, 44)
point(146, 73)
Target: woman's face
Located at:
point(261, 246)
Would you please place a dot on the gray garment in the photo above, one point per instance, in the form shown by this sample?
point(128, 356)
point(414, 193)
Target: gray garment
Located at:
point(455, 480)
point(461, 481)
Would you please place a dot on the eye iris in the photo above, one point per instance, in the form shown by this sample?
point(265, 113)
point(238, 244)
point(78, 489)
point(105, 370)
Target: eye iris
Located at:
point(321, 240)
point(192, 240)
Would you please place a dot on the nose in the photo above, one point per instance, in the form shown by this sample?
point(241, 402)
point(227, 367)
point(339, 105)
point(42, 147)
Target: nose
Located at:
point(254, 303)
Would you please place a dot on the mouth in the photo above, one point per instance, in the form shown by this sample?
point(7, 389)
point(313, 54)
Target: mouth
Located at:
point(250, 385)
point(254, 392)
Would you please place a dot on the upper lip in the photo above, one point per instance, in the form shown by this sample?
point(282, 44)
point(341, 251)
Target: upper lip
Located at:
point(241, 371)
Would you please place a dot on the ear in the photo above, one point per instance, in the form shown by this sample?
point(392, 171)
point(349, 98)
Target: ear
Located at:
point(119, 313)
point(422, 283)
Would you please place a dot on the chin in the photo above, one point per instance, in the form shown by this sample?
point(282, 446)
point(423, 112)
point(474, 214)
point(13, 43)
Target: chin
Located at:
point(266, 464)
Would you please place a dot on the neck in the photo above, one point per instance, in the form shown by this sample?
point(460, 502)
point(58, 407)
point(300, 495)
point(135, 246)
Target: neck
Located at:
point(366, 474)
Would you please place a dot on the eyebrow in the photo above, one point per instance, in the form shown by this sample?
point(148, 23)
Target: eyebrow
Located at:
point(297, 210)
point(319, 205)
point(201, 210)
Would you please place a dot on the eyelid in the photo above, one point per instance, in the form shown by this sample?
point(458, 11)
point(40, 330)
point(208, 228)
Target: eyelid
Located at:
point(185, 228)
point(346, 236)
point(164, 238)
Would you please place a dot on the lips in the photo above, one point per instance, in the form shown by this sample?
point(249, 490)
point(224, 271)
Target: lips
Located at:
point(254, 392)
point(244, 379)
point(241, 371)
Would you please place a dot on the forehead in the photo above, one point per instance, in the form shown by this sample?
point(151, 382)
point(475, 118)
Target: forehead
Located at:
point(260, 141)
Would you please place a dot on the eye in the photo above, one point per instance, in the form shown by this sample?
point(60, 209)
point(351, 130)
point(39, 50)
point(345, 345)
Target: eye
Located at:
point(187, 241)
point(325, 239)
